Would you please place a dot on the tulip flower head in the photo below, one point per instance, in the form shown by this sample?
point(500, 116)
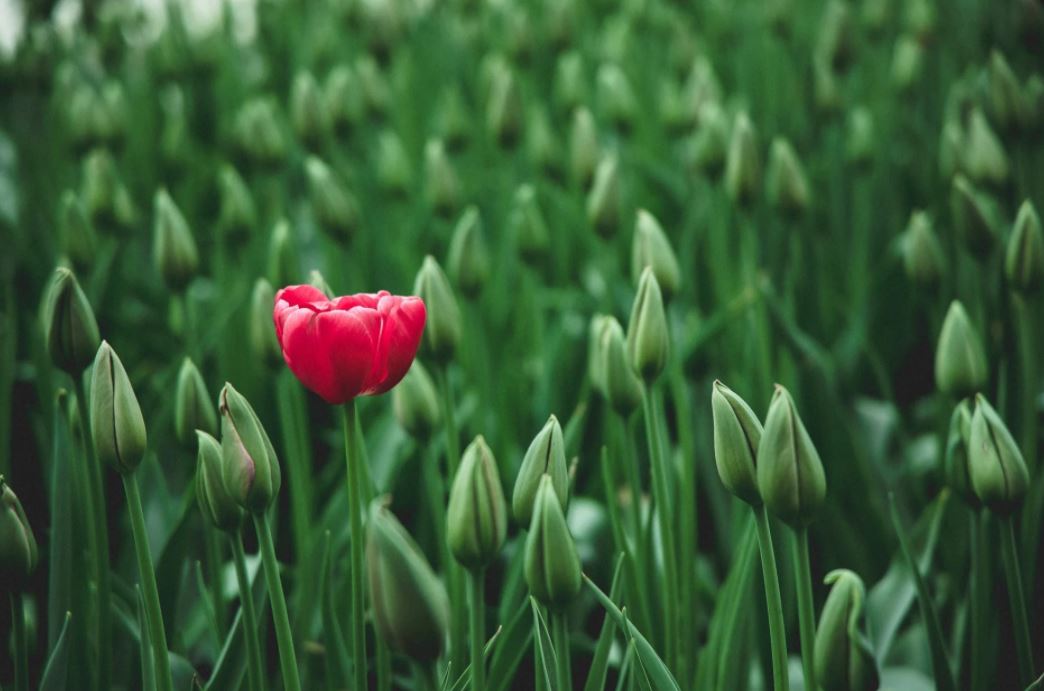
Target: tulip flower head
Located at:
point(843, 654)
point(960, 360)
point(70, 329)
point(249, 466)
point(415, 402)
point(544, 457)
point(117, 424)
point(998, 472)
point(648, 339)
point(737, 434)
point(476, 518)
point(552, 566)
point(355, 345)
point(193, 407)
point(215, 502)
point(790, 474)
point(18, 552)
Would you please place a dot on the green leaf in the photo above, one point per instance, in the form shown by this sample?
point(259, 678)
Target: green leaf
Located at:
point(514, 642)
point(546, 660)
point(56, 673)
point(337, 655)
point(600, 662)
point(148, 663)
point(62, 552)
point(462, 681)
point(1038, 685)
point(230, 667)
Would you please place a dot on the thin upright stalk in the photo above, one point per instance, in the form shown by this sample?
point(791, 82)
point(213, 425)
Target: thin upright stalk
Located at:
point(255, 667)
point(293, 423)
point(773, 601)
point(355, 524)
point(1010, 554)
point(454, 573)
point(284, 639)
point(213, 548)
point(560, 633)
point(980, 600)
point(806, 608)
point(149, 591)
point(1025, 325)
point(20, 644)
point(477, 580)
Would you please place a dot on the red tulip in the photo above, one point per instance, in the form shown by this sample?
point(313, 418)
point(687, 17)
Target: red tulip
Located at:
point(356, 345)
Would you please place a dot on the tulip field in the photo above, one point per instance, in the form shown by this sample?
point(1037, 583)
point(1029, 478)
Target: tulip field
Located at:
point(483, 345)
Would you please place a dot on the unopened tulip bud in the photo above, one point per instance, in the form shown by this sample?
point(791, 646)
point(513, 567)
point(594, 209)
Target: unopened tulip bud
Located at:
point(544, 457)
point(907, 62)
point(1007, 99)
point(283, 267)
point(623, 388)
point(442, 333)
point(973, 215)
point(504, 109)
point(844, 658)
point(652, 248)
point(100, 182)
point(117, 425)
point(527, 224)
point(998, 472)
point(394, 170)
point(860, 143)
point(193, 409)
point(743, 163)
point(583, 146)
point(249, 465)
point(70, 330)
point(410, 606)
point(919, 17)
point(476, 519)
point(790, 474)
point(79, 240)
point(238, 213)
point(551, 565)
point(1024, 262)
point(603, 201)
point(468, 261)
point(174, 250)
point(214, 500)
point(786, 181)
point(737, 434)
point(984, 157)
point(258, 132)
point(648, 338)
point(453, 120)
point(951, 148)
point(335, 208)
point(542, 145)
point(825, 87)
point(345, 104)
point(835, 44)
point(18, 552)
point(710, 144)
point(570, 83)
point(308, 109)
point(595, 352)
point(174, 138)
point(702, 88)
point(958, 438)
point(960, 360)
point(922, 253)
point(441, 185)
point(415, 402)
point(263, 342)
point(373, 85)
point(616, 98)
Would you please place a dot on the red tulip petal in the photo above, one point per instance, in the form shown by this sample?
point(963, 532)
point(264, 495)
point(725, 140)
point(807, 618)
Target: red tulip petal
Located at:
point(331, 352)
point(292, 297)
point(403, 324)
point(368, 300)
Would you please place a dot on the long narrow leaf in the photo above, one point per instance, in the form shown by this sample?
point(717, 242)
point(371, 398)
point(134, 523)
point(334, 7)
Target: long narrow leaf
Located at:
point(56, 673)
point(546, 659)
point(600, 663)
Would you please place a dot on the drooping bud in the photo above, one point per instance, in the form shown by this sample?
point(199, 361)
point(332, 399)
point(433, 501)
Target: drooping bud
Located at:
point(468, 260)
point(79, 241)
point(844, 658)
point(308, 109)
point(345, 103)
point(527, 224)
point(544, 457)
point(973, 215)
point(737, 435)
point(623, 388)
point(743, 164)
point(415, 402)
point(476, 518)
point(214, 500)
point(652, 248)
point(283, 267)
point(998, 472)
point(504, 114)
point(249, 465)
point(410, 606)
point(786, 181)
point(603, 201)
point(258, 132)
point(960, 360)
point(117, 425)
point(648, 338)
point(335, 208)
point(192, 407)
point(551, 565)
point(441, 185)
point(18, 552)
point(922, 253)
point(442, 333)
point(958, 438)
point(583, 147)
point(1024, 261)
point(394, 170)
point(984, 157)
point(616, 98)
point(263, 342)
point(174, 250)
point(70, 330)
point(238, 214)
point(790, 474)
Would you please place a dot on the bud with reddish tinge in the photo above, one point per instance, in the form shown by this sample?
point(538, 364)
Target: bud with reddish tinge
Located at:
point(249, 465)
point(215, 502)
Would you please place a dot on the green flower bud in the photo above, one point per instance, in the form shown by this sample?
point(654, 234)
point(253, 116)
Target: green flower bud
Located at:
point(998, 472)
point(263, 342)
point(648, 338)
point(825, 87)
point(79, 241)
point(875, 15)
point(790, 475)
point(174, 142)
point(583, 146)
point(18, 552)
point(743, 164)
point(552, 566)
point(258, 132)
point(843, 655)
point(835, 44)
point(787, 184)
point(308, 109)
point(737, 435)
point(373, 85)
point(526, 222)
point(214, 500)
point(919, 17)
point(173, 249)
point(238, 214)
point(960, 360)
point(476, 519)
point(596, 353)
point(951, 148)
point(544, 457)
point(860, 143)
point(958, 472)
point(441, 185)
point(616, 98)
point(1007, 99)
point(394, 170)
point(542, 146)
point(623, 388)
point(192, 407)
point(603, 201)
point(468, 260)
point(907, 62)
point(984, 156)
point(116, 421)
point(416, 402)
point(709, 145)
point(702, 88)
point(652, 248)
point(442, 332)
point(504, 108)
point(283, 267)
point(922, 253)
point(974, 216)
point(345, 103)
point(453, 119)
point(410, 606)
point(70, 330)
point(335, 208)
point(1024, 262)
point(570, 84)
point(249, 465)
point(100, 182)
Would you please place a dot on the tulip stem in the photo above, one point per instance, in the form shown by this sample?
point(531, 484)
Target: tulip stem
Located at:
point(284, 638)
point(1010, 554)
point(21, 648)
point(454, 573)
point(255, 668)
point(149, 591)
point(773, 601)
point(355, 525)
point(99, 540)
point(560, 633)
point(980, 600)
point(806, 607)
point(213, 548)
point(478, 629)
point(1026, 325)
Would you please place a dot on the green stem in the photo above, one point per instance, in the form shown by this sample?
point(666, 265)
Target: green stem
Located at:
point(1010, 554)
point(355, 524)
point(21, 647)
point(454, 573)
point(424, 677)
point(255, 667)
point(213, 548)
point(1027, 376)
point(806, 608)
point(560, 632)
point(436, 491)
point(773, 601)
point(452, 443)
point(284, 639)
point(149, 591)
point(384, 671)
point(478, 629)
point(661, 494)
point(980, 601)
point(290, 401)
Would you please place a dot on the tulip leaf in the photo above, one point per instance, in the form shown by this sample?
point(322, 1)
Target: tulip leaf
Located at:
point(230, 667)
point(465, 677)
point(337, 656)
point(512, 647)
point(62, 554)
point(56, 673)
point(1038, 685)
point(546, 659)
point(600, 662)
point(148, 663)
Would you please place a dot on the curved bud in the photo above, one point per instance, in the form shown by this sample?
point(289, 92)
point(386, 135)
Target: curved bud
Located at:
point(416, 402)
point(583, 146)
point(79, 241)
point(308, 110)
point(737, 435)
point(504, 108)
point(283, 267)
point(958, 438)
point(922, 253)
point(527, 224)
point(335, 208)
point(117, 425)
point(998, 472)
point(742, 163)
point(786, 180)
point(215, 502)
point(790, 473)
point(70, 330)
point(441, 184)
point(652, 248)
point(545, 456)
point(192, 407)
point(263, 342)
point(18, 551)
point(551, 565)
point(442, 332)
point(984, 157)
point(468, 260)
point(394, 169)
point(174, 249)
point(476, 519)
point(648, 339)
point(238, 213)
point(616, 98)
point(603, 201)
point(249, 465)
point(1024, 261)
point(623, 388)
point(960, 361)
point(844, 658)
point(973, 215)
